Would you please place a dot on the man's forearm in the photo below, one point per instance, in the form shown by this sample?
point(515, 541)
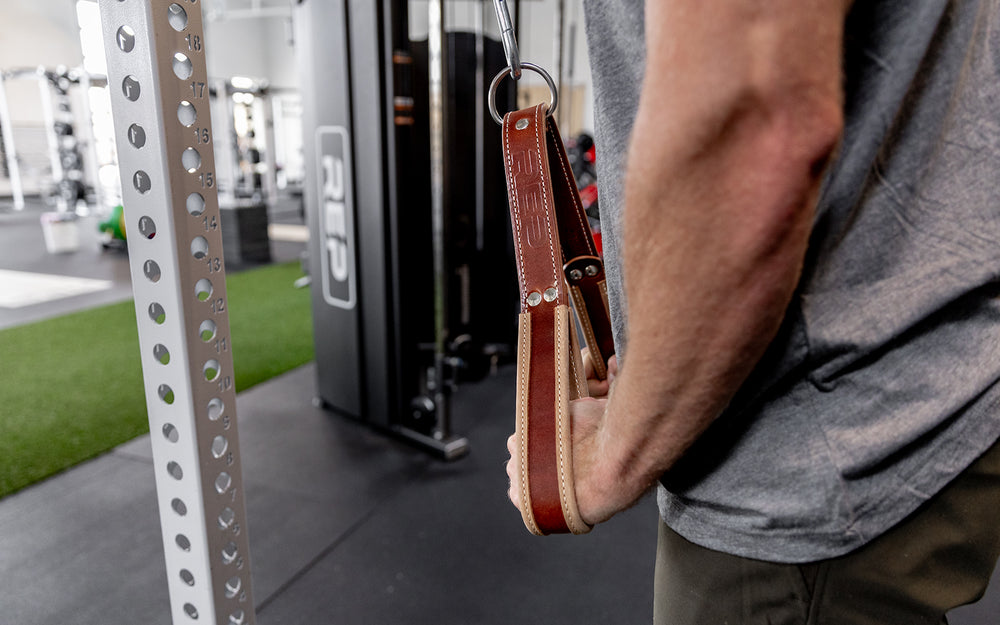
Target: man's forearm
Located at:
point(706, 294)
point(720, 192)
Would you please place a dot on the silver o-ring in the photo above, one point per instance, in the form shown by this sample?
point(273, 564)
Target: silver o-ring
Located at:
point(554, 94)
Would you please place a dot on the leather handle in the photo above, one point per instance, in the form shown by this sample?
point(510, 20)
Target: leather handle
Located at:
point(557, 267)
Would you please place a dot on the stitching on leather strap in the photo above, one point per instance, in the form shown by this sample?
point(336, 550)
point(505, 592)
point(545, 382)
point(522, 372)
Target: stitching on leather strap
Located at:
point(600, 369)
point(564, 427)
point(539, 122)
point(576, 365)
point(562, 407)
point(523, 367)
point(516, 213)
point(571, 181)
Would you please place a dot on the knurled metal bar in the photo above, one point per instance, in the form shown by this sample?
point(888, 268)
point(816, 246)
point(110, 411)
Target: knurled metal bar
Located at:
point(160, 103)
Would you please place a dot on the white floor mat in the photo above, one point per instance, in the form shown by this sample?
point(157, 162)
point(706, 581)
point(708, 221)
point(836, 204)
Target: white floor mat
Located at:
point(20, 288)
point(288, 232)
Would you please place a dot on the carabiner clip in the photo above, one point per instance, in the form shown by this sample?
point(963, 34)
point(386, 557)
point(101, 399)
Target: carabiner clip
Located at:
point(507, 36)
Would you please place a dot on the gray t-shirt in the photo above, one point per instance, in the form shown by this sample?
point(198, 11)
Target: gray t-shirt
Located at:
point(881, 385)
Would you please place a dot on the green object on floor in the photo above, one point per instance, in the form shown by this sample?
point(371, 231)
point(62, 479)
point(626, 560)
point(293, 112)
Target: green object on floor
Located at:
point(71, 387)
point(113, 228)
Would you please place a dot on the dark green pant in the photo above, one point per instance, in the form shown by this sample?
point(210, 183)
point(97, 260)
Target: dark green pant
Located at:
point(939, 558)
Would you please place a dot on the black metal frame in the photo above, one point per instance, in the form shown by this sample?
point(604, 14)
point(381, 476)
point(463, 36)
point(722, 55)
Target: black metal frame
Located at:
point(385, 356)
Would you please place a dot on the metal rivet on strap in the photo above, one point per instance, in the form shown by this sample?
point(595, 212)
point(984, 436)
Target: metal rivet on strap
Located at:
point(534, 298)
point(551, 294)
point(522, 124)
point(575, 275)
point(592, 270)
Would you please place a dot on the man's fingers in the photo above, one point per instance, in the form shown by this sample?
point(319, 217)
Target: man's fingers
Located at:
point(513, 491)
point(597, 388)
point(612, 367)
point(588, 363)
point(588, 368)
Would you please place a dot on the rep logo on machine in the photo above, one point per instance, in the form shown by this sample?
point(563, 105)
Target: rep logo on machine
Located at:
point(336, 216)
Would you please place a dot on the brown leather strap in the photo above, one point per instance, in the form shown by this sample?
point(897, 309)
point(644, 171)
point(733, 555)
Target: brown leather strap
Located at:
point(582, 265)
point(557, 266)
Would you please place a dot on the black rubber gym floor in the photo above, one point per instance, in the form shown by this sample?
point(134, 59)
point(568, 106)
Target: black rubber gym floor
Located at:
point(346, 526)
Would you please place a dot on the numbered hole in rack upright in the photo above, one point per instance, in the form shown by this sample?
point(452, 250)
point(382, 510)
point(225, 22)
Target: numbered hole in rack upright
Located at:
point(182, 66)
point(191, 160)
point(136, 136)
point(191, 611)
point(166, 394)
point(187, 577)
point(170, 432)
point(195, 204)
point(199, 247)
point(142, 182)
point(215, 409)
point(211, 370)
point(226, 518)
point(131, 88)
point(183, 542)
point(233, 585)
point(203, 289)
point(157, 314)
point(207, 330)
point(219, 446)
point(223, 483)
point(237, 618)
point(125, 39)
point(187, 114)
point(161, 354)
point(151, 270)
point(177, 17)
point(175, 470)
point(179, 507)
point(147, 227)
point(229, 553)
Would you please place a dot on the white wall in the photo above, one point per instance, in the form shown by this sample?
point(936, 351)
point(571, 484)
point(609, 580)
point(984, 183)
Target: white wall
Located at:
point(282, 69)
point(33, 33)
point(536, 44)
point(236, 48)
point(44, 32)
point(539, 37)
point(39, 32)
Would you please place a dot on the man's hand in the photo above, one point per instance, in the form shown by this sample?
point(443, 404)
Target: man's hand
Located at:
point(598, 499)
point(587, 416)
point(598, 388)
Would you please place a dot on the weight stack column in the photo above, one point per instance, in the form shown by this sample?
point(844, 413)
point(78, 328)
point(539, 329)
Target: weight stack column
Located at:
point(160, 104)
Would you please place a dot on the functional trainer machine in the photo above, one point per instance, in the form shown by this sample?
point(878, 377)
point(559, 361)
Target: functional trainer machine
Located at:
point(410, 270)
point(159, 97)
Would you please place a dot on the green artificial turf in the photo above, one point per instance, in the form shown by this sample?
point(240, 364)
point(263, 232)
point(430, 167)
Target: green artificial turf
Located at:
point(71, 387)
